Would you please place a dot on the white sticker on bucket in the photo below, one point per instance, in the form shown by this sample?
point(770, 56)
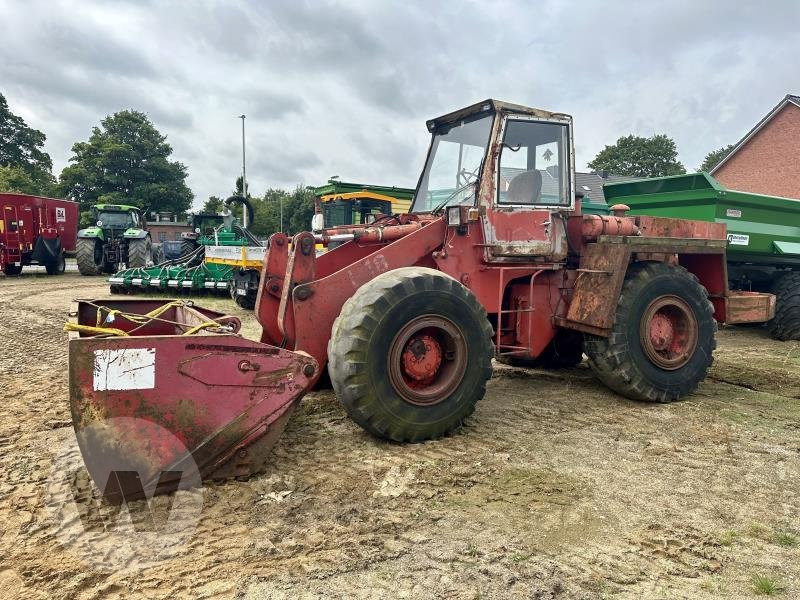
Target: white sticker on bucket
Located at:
point(738, 239)
point(733, 212)
point(125, 369)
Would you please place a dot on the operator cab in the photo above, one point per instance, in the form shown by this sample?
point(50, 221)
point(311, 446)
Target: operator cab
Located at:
point(513, 165)
point(112, 216)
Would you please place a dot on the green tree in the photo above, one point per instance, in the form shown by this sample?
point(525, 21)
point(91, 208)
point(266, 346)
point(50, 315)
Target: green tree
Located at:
point(126, 161)
point(213, 205)
point(298, 208)
point(636, 156)
point(15, 179)
point(22, 151)
point(715, 157)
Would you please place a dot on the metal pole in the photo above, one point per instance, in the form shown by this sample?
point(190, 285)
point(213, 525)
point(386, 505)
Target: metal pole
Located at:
point(244, 177)
point(281, 201)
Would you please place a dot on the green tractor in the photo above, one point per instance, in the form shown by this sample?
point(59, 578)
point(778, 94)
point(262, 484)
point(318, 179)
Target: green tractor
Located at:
point(117, 239)
point(204, 228)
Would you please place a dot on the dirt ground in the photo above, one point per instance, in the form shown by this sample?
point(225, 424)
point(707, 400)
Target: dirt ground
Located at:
point(556, 488)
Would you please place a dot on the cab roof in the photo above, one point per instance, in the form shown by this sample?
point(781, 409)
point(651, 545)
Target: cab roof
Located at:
point(492, 106)
point(116, 207)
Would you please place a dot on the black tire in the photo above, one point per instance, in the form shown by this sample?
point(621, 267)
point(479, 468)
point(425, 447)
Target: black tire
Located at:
point(378, 323)
point(140, 253)
point(187, 247)
point(630, 362)
point(57, 267)
point(785, 325)
point(158, 254)
point(89, 256)
point(244, 280)
point(564, 350)
point(12, 270)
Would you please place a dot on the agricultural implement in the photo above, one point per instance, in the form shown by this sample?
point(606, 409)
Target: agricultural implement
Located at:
point(206, 261)
point(408, 312)
point(763, 234)
point(36, 231)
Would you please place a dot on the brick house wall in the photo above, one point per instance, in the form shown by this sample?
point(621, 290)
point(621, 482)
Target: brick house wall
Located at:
point(769, 162)
point(166, 230)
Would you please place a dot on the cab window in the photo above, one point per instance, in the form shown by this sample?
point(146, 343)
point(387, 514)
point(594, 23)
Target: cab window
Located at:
point(534, 164)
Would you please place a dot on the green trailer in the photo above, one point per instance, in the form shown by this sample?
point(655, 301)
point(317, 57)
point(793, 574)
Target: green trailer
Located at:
point(763, 233)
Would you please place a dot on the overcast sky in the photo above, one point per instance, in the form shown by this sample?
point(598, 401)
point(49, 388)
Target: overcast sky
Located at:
point(344, 88)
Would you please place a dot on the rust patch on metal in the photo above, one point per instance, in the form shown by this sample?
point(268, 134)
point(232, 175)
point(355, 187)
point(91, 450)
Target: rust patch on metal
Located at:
point(600, 276)
point(749, 307)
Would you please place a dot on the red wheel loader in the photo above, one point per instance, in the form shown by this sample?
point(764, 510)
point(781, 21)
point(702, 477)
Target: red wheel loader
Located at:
point(494, 260)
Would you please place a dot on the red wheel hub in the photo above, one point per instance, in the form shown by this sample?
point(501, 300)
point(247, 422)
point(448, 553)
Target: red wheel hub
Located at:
point(668, 332)
point(422, 357)
point(427, 360)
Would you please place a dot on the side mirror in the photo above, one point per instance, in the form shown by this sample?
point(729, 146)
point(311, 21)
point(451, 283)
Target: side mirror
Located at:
point(317, 222)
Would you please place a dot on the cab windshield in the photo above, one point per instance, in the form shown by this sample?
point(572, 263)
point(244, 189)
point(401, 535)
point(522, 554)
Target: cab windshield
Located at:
point(454, 163)
point(117, 220)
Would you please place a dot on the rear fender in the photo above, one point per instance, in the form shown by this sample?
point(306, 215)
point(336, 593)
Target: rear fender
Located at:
point(604, 264)
point(309, 306)
point(712, 272)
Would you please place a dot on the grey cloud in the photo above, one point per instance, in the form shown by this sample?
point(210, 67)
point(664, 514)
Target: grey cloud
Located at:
point(92, 48)
point(282, 163)
point(344, 87)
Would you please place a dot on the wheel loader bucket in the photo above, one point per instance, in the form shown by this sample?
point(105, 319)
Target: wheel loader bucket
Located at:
point(165, 394)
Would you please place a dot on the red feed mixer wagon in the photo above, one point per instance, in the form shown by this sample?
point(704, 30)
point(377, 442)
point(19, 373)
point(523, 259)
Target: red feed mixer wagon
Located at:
point(36, 231)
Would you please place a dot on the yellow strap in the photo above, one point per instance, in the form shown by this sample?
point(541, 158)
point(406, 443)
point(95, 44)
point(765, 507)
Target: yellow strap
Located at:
point(93, 330)
point(162, 309)
point(197, 328)
point(141, 319)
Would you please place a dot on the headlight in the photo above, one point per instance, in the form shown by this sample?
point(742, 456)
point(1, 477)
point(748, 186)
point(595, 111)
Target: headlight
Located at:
point(453, 216)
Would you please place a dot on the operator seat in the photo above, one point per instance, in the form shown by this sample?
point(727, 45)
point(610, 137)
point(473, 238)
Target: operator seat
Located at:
point(525, 188)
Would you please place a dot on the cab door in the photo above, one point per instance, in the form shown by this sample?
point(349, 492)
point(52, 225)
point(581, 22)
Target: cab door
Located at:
point(533, 185)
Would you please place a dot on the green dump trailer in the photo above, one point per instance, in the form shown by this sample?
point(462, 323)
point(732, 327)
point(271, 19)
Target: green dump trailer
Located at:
point(763, 233)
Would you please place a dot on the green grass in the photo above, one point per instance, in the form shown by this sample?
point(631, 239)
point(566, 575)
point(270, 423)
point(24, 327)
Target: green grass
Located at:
point(726, 538)
point(757, 530)
point(786, 539)
point(519, 557)
point(764, 585)
point(472, 550)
